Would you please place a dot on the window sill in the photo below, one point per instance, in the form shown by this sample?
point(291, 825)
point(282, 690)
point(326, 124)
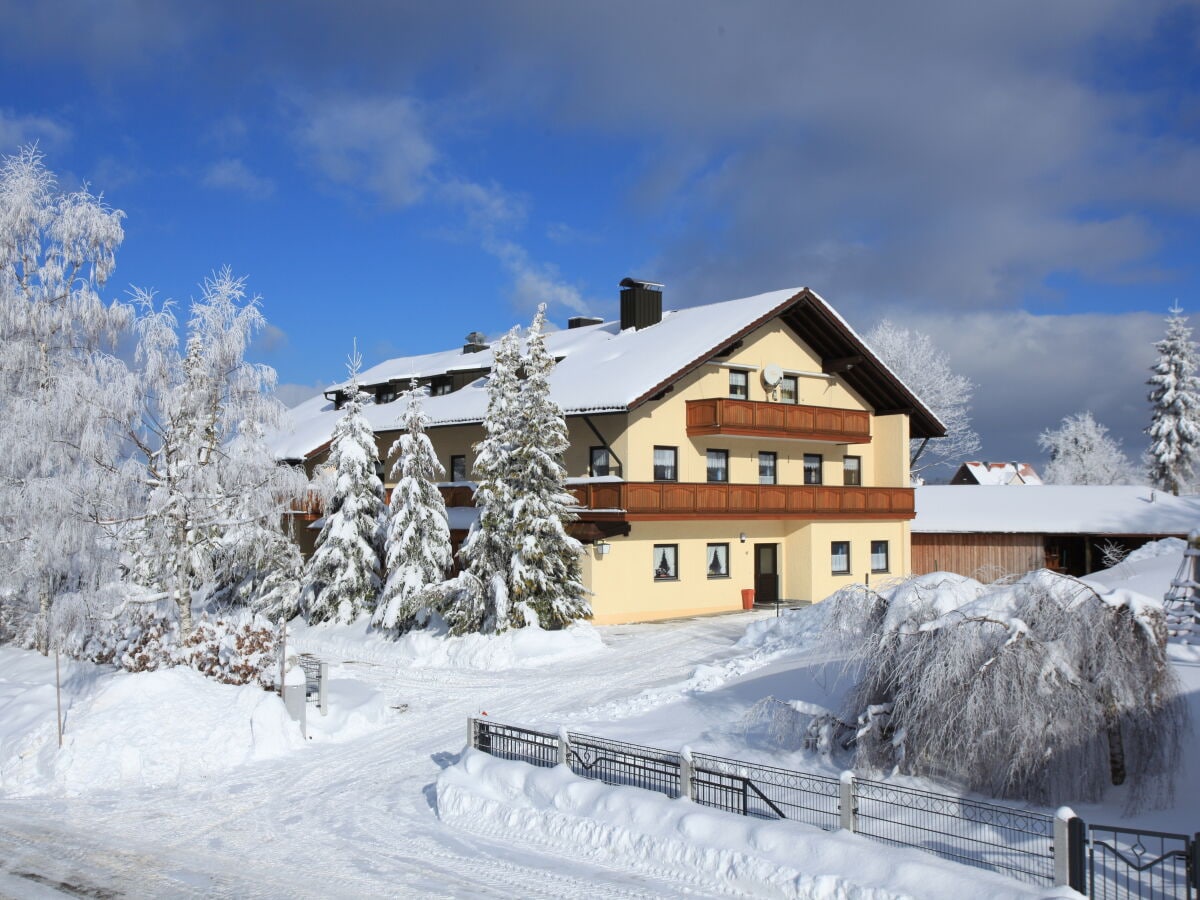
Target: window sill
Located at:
point(716, 577)
point(847, 572)
point(657, 578)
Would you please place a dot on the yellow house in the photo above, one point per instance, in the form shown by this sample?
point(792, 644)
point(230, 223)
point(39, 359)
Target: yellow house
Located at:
point(756, 444)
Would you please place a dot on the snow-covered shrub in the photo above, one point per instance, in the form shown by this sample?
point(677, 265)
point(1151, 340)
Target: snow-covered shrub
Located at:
point(1041, 690)
point(235, 650)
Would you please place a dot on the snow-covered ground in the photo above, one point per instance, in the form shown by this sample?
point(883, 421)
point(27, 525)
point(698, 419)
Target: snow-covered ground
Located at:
point(171, 785)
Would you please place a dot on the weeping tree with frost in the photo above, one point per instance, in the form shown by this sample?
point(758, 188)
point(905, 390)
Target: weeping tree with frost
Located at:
point(66, 400)
point(1175, 403)
point(1041, 690)
point(342, 579)
point(417, 546)
point(215, 496)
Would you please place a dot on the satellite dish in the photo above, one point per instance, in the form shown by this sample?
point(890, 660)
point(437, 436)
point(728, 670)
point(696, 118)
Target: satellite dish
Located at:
point(772, 375)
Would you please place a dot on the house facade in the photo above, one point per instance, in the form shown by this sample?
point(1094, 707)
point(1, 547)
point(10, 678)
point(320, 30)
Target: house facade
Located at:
point(753, 444)
point(996, 474)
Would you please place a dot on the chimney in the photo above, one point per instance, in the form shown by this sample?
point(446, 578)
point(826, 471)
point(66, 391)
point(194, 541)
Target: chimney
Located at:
point(583, 321)
point(641, 303)
point(476, 341)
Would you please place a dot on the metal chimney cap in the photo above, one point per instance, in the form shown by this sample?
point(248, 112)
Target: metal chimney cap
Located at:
point(638, 282)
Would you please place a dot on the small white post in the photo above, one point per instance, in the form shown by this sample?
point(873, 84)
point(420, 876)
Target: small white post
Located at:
point(282, 651)
point(687, 772)
point(1062, 846)
point(564, 747)
point(470, 732)
point(322, 697)
point(58, 695)
point(847, 808)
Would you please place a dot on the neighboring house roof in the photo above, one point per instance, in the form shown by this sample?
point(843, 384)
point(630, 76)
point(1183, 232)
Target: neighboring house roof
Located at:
point(990, 473)
point(604, 369)
point(1055, 509)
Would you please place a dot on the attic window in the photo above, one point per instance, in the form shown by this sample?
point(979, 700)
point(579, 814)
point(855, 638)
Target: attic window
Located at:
point(439, 386)
point(385, 393)
point(739, 384)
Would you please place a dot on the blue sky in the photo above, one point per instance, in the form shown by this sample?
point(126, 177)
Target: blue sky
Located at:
point(1022, 182)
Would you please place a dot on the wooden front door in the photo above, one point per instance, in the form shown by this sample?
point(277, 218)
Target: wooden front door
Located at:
point(766, 573)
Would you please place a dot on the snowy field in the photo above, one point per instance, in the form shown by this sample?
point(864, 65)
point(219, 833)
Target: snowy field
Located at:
point(172, 785)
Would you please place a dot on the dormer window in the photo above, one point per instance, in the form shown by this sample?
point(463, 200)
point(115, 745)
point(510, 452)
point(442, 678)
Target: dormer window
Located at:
point(385, 393)
point(440, 385)
point(739, 385)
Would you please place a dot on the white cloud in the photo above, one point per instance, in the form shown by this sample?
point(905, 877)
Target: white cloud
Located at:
point(18, 130)
point(1031, 371)
point(372, 144)
point(234, 175)
point(294, 394)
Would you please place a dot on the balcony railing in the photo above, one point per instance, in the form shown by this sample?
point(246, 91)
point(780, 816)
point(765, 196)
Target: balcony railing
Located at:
point(778, 420)
point(670, 500)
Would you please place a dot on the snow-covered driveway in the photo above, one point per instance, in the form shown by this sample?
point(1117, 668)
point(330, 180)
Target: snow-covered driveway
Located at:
point(357, 818)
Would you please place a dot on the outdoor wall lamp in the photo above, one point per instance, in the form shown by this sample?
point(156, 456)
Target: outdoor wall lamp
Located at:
point(742, 537)
point(602, 548)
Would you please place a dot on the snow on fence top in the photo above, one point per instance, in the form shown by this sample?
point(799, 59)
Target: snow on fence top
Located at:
point(1055, 509)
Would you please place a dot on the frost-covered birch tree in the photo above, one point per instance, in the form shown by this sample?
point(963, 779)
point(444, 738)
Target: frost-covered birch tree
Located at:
point(215, 496)
point(1081, 452)
point(483, 603)
point(926, 370)
point(1041, 690)
point(1175, 407)
point(65, 399)
point(417, 545)
point(546, 585)
point(342, 579)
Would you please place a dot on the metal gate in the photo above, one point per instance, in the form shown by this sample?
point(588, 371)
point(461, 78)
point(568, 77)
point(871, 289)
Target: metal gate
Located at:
point(1125, 863)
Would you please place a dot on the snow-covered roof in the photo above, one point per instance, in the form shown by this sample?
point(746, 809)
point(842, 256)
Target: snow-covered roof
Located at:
point(604, 369)
point(1055, 509)
point(1005, 473)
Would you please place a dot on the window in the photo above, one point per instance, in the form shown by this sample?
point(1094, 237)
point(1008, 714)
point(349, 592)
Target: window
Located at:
point(440, 386)
point(458, 468)
point(665, 460)
point(718, 465)
point(739, 385)
point(385, 393)
point(812, 468)
point(718, 560)
point(839, 556)
point(789, 392)
point(666, 562)
point(879, 556)
point(380, 470)
point(852, 470)
point(766, 468)
point(600, 462)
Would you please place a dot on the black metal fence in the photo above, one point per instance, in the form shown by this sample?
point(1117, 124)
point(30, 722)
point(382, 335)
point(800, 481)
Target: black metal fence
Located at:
point(1150, 864)
point(1017, 842)
point(1013, 841)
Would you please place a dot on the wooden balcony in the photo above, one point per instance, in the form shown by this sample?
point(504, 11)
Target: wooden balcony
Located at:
point(778, 420)
point(677, 500)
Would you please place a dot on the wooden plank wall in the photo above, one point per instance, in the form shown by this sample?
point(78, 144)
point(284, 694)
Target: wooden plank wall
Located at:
point(982, 556)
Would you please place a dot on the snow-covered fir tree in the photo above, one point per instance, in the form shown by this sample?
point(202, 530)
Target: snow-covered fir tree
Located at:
point(926, 370)
point(482, 603)
point(342, 579)
point(1175, 407)
point(66, 400)
point(215, 494)
point(417, 546)
point(1082, 452)
point(546, 585)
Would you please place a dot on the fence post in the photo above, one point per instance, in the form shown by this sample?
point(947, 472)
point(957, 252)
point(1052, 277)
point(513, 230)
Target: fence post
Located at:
point(1062, 845)
point(687, 784)
point(322, 699)
point(847, 807)
point(471, 732)
point(564, 747)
